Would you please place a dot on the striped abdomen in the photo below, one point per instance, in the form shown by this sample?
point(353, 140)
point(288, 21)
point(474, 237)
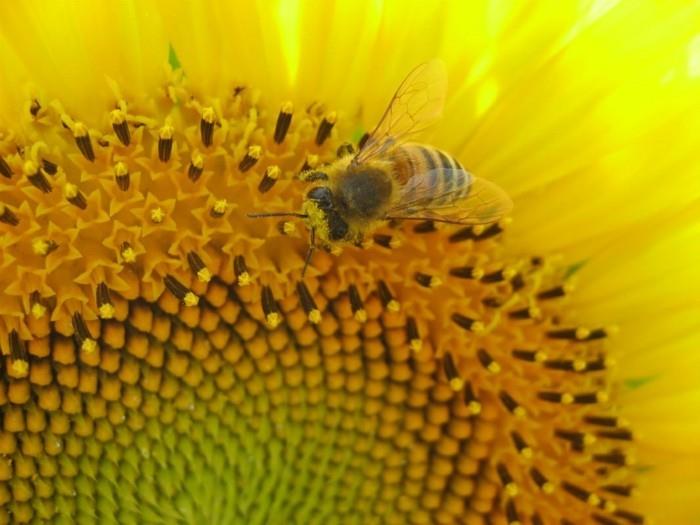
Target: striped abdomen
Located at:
point(444, 176)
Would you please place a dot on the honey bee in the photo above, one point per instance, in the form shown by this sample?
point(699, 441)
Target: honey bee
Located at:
point(391, 178)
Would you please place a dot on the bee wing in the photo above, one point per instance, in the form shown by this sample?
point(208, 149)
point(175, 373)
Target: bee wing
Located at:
point(466, 200)
point(417, 103)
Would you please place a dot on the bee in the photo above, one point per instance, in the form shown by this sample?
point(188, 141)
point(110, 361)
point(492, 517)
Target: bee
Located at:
point(392, 178)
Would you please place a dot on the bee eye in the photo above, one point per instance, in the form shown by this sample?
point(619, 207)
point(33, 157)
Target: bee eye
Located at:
point(322, 196)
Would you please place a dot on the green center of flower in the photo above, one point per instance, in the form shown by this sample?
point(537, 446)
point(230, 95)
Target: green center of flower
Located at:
point(165, 362)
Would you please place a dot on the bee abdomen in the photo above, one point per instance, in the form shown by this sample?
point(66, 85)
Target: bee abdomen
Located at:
point(448, 180)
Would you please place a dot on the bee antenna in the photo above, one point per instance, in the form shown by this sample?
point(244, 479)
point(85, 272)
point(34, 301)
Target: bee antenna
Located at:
point(277, 214)
point(310, 251)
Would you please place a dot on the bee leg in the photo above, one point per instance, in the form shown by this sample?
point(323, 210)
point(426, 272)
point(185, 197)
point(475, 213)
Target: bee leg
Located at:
point(310, 251)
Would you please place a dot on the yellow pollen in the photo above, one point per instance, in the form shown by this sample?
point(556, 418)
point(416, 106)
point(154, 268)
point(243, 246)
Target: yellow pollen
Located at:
point(582, 333)
point(314, 316)
point(511, 489)
point(254, 151)
point(79, 130)
point(40, 246)
point(509, 273)
point(273, 172)
point(289, 227)
point(579, 365)
point(244, 279)
point(494, 367)
point(220, 206)
point(190, 299)
point(157, 215)
point(474, 408)
point(519, 412)
point(336, 250)
point(20, 368)
point(208, 115)
point(593, 500)
point(204, 275)
point(478, 273)
point(38, 310)
point(416, 345)
point(106, 311)
point(478, 229)
point(70, 191)
point(393, 306)
point(540, 357)
point(166, 132)
point(602, 397)
point(120, 169)
point(331, 117)
point(610, 506)
point(548, 487)
point(287, 107)
point(361, 315)
point(478, 327)
point(273, 319)
point(535, 312)
point(527, 453)
point(117, 116)
point(128, 255)
point(88, 345)
point(456, 384)
point(588, 439)
point(197, 160)
point(435, 281)
point(395, 242)
point(30, 167)
point(312, 160)
point(567, 398)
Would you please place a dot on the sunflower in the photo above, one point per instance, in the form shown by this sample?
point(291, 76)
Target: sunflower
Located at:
point(165, 361)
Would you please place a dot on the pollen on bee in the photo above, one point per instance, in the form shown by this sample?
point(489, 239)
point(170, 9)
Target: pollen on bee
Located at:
point(165, 142)
point(74, 196)
point(5, 169)
point(82, 140)
point(82, 335)
point(241, 270)
point(127, 253)
point(284, 119)
point(105, 306)
point(269, 178)
point(36, 177)
point(273, 317)
point(206, 126)
point(308, 304)
point(325, 128)
point(250, 159)
point(180, 291)
point(120, 126)
point(198, 267)
point(121, 176)
point(219, 208)
point(7, 216)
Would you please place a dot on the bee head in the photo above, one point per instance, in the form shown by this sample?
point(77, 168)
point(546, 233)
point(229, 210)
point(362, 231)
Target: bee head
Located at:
point(322, 197)
point(330, 220)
